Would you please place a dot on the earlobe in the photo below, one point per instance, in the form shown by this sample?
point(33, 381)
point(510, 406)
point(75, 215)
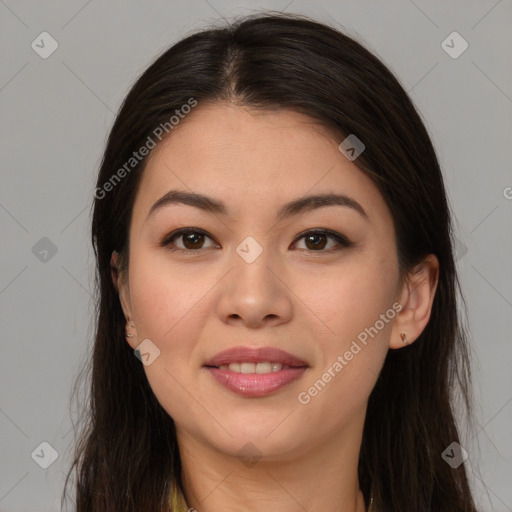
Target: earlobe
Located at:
point(131, 335)
point(417, 297)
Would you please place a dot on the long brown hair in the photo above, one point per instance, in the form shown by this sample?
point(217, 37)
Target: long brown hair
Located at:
point(126, 458)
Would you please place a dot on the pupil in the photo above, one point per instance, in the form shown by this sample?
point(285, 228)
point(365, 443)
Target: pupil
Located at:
point(189, 239)
point(316, 244)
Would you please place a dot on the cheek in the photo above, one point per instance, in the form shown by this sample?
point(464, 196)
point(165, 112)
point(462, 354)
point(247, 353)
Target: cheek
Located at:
point(168, 307)
point(350, 298)
point(164, 297)
point(355, 304)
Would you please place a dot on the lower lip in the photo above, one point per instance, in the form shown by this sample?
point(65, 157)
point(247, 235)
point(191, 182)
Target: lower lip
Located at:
point(256, 384)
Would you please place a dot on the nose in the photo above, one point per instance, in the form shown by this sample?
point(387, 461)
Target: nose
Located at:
point(255, 294)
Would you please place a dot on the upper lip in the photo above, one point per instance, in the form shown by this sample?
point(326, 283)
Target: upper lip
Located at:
point(255, 355)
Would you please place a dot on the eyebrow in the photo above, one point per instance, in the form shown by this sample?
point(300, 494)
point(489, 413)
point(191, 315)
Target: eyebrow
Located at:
point(301, 205)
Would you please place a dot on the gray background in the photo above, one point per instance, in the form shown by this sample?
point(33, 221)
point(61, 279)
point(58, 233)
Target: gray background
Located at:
point(56, 113)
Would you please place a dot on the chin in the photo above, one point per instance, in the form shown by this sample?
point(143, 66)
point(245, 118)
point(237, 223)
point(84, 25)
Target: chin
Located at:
point(259, 440)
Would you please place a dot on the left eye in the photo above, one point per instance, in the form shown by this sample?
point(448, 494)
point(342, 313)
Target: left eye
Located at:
point(318, 240)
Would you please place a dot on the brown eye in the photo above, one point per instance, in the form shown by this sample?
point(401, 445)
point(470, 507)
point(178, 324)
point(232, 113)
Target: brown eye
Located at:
point(316, 241)
point(187, 240)
point(323, 241)
point(193, 240)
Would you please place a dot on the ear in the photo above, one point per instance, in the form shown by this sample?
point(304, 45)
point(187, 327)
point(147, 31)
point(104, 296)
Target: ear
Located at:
point(416, 298)
point(121, 285)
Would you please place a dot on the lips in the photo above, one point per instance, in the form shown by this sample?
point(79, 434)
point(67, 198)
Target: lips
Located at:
point(287, 369)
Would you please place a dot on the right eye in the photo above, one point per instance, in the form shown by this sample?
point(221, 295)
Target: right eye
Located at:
point(192, 240)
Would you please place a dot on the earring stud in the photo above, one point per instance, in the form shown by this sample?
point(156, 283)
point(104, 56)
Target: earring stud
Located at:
point(403, 337)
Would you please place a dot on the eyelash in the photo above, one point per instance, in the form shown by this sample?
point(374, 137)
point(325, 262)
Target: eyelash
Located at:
point(343, 241)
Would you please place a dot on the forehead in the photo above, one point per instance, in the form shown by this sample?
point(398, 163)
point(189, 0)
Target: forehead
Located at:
point(253, 158)
point(223, 135)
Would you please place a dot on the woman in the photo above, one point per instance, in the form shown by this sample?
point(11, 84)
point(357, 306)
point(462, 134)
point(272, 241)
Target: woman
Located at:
point(277, 321)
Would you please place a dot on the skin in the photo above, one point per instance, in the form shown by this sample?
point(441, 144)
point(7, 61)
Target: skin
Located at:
point(310, 302)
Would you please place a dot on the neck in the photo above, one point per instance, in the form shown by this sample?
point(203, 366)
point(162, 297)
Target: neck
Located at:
point(324, 478)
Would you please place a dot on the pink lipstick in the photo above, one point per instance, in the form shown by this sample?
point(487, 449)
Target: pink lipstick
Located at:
point(255, 372)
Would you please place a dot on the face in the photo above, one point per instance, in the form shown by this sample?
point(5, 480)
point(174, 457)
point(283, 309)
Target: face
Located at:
point(318, 282)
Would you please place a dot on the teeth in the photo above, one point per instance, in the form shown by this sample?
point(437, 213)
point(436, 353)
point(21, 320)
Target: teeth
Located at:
point(264, 367)
point(234, 367)
point(248, 368)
